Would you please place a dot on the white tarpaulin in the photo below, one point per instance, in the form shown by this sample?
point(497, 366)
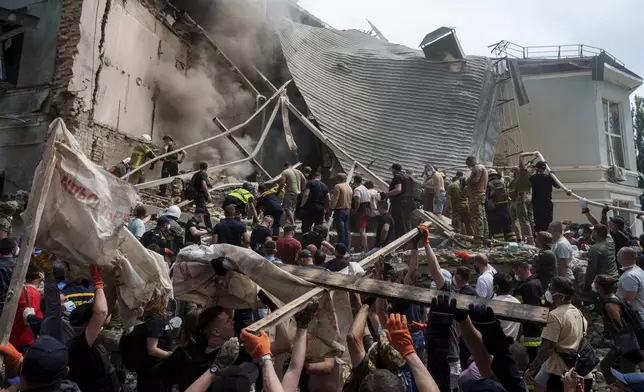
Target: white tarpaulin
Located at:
point(83, 223)
point(194, 280)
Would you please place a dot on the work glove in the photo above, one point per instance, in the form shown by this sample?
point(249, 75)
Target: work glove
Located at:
point(256, 345)
point(639, 216)
point(26, 313)
point(424, 233)
point(168, 252)
point(96, 273)
point(461, 254)
point(304, 316)
point(399, 335)
point(44, 261)
point(485, 321)
point(228, 354)
point(416, 326)
point(605, 209)
point(583, 204)
point(12, 357)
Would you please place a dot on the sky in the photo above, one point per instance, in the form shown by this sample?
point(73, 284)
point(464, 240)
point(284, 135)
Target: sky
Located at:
point(614, 26)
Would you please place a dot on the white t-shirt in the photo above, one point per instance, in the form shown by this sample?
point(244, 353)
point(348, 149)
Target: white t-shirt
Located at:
point(510, 328)
point(363, 194)
point(633, 280)
point(563, 250)
point(485, 283)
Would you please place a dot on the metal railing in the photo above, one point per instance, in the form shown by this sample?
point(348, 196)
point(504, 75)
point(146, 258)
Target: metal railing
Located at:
point(510, 49)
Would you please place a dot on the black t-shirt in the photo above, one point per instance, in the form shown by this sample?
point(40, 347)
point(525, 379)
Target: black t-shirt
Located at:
point(318, 192)
point(311, 238)
point(89, 367)
point(468, 290)
point(337, 264)
point(155, 327)
point(542, 184)
point(229, 231)
point(270, 204)
point(196, 182)
point(620, 239)
point(530, 292)
point(398, 178)
point(383, 220)
point(258, 237)
point(194, 239)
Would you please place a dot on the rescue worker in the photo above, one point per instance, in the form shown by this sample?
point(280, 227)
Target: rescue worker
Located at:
point(7, 210)
point(464, 209)
point(159, 236)
point(171, 163)
point(121, 168)
point(176, 233)
point(500, 223)
point(270, 204)
point(197, 190)
point(242, 198)
point(454, 198)
point(141, 154)
point(476, 187)
point(520, 188)
point(542, 184)
point(398, 201)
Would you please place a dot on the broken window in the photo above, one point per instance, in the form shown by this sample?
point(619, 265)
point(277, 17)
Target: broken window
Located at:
point(10, 58)
point(613, 131)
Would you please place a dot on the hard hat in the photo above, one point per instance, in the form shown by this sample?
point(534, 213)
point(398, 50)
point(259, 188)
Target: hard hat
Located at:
point(248, 186)
point(173, 211)
point(126, 160)
point(491, 172)
point(167, 137)
point(145, 139)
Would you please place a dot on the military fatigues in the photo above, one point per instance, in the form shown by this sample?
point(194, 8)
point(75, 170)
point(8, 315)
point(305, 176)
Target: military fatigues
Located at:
point(140, 155)
point(176, 190)
point(454, 195)
point(500, 224)
point(520, 201)
point(476, 185)
point(170, 166)
point(7, 210)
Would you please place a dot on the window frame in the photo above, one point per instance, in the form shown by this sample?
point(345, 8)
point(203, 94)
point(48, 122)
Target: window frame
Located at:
point(613, 160)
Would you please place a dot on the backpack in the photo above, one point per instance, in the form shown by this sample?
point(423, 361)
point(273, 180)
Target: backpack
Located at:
point(632, 318)
point(189, 190)
point(131, 348)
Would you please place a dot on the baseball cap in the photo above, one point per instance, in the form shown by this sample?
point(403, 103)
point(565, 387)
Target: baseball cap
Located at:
point(304, 253)
point(236, 378)
point(81, 315)
point(44, 361)
point(540, 165)
point(162, 220)
point(200, 210)
point(634, 380)
point(618, 220)
point(341, 248)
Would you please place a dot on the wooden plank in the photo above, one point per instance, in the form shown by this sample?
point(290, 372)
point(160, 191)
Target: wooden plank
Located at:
point(299, 303)
point(413, 294)
point(34, 213)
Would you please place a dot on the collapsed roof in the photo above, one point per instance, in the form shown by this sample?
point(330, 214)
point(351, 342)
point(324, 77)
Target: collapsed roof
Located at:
point(386, 103)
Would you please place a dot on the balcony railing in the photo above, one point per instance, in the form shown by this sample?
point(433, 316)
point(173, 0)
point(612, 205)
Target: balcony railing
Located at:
point(510, 49)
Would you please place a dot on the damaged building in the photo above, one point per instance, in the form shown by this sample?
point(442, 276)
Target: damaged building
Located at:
point(115, 70)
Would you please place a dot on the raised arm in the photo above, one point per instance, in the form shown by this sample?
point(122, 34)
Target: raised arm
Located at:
point(259, 348)
point(99, 309)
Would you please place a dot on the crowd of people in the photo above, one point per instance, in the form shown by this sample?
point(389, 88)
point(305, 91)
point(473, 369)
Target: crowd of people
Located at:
point(65, 322)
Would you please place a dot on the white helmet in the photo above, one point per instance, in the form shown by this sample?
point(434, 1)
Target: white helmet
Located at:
point(173, 211)
point(145, 139)
point(126, 161)
point(491, 172)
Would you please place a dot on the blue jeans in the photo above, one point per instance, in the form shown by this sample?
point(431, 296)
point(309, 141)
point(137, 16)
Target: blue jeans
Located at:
point(439, 203)
point(341, 220)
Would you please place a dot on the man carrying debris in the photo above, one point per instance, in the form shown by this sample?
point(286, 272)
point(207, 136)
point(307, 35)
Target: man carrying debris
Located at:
point(542, 184)
point(476, 186)
point(292, 182)
point(500, 223)
point(242, 198)
point(315, 202)
point(397, 197)
point(171, 163)
point(141, 154)
point(519, 189)
point(341, 205)
point(199, 185)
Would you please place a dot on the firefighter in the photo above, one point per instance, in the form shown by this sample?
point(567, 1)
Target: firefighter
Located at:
point(121, 168)
point(141, 154)
point(242, 198)
point(171, 163)
point(500, 224)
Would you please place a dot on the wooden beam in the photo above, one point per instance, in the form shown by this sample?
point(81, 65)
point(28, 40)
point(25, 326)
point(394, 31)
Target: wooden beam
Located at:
point(35, 208)
point(240, 147)
point(299, 303)
point(413, 294)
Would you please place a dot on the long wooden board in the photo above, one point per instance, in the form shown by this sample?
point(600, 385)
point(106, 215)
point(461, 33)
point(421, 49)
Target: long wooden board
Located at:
point(413, 294)
point(299, 303)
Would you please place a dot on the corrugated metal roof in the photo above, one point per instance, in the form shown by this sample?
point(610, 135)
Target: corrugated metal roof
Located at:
point(384, 101)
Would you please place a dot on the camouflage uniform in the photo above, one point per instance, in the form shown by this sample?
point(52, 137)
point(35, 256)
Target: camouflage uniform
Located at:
point(176, 190)
point(521, 204)
point(454, 194)
point(476, 185)
point(7, 209)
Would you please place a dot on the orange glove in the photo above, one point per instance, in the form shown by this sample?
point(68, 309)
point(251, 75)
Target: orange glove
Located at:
point(399, 335)
point(424, 232)
point(97, 278)
point(462, 254)
point(256, 346)
point(12, 357)
point(44, 261)
point(416, 326)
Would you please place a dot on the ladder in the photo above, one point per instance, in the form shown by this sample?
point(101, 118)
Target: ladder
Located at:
point(510, 142)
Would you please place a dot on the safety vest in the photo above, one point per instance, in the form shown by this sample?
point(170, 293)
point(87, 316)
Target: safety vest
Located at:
point(268, 192)
point(139, 155)
point(500, 195)
point(242, 194)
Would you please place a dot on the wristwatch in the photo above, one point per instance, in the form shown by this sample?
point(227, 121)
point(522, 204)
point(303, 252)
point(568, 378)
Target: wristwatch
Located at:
point(267, 357)
point(214, 370)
